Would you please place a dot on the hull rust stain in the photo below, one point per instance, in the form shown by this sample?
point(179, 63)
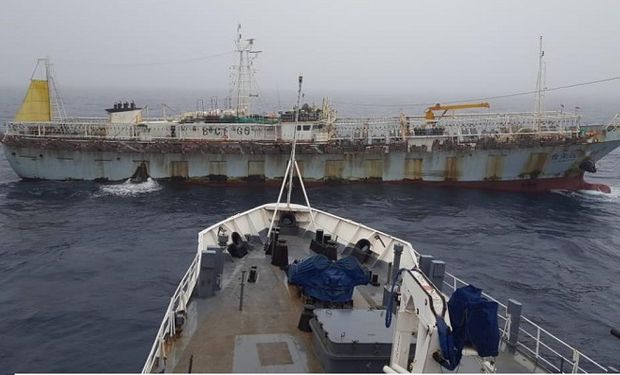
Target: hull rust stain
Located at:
point(495, 168)
point(414, 169)
point(482, 166)
point(535, 165)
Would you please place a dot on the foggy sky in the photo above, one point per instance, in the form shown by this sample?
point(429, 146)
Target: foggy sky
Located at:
point(417, 48)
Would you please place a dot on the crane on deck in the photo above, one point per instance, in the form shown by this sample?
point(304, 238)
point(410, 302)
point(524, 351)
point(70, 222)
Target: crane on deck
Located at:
point(430, 115)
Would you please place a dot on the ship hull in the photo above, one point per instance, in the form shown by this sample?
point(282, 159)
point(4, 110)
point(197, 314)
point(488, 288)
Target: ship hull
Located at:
point(533, 168)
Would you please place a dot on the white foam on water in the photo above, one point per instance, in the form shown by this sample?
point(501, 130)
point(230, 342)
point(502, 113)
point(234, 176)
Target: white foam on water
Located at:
point(130, 189)
point(595, 195)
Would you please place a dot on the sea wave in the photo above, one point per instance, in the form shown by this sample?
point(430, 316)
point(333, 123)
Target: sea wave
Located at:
point(594, 195)
point(130, 189)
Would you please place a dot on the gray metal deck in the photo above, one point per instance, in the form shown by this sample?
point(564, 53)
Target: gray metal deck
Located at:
point(263, 336)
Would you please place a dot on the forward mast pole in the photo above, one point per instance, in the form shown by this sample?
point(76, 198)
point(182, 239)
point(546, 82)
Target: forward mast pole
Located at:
point(540, 79)
point(293, 161)
point(56, 105)
point(240, 79)
point(291, 167)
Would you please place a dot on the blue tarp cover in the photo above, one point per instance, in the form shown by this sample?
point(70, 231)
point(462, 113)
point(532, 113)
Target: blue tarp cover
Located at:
point(474, 323)
point(327, 280)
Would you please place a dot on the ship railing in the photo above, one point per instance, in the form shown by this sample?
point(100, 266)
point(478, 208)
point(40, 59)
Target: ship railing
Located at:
point(178, 305)
point(499, 117)
point(93, 119)
point(70, 129)
point(464, 126)
point(98, 129)
point(393, 135)
point(614, 122)
point(473, 137)
point(539, 345)
point(513, 123)
point(549, 115)
point(370, 129)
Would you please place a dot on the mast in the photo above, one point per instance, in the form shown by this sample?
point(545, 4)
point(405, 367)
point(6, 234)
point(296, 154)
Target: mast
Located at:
point(42, 102)
point(539, 108)
point(290, 181)
point(243, 74)
point(56, 103)
point(291, 167)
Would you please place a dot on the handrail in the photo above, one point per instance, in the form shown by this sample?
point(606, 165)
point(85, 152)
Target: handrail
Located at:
point(533, 344)
point(463, 129)
point(178, 303)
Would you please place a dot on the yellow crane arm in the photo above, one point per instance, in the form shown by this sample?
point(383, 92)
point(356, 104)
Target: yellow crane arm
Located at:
point(445, 108)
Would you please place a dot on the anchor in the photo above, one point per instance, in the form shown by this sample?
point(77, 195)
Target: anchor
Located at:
point(140, 175)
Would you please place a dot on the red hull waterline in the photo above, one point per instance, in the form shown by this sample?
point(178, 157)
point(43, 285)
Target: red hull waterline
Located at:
point(530, 185)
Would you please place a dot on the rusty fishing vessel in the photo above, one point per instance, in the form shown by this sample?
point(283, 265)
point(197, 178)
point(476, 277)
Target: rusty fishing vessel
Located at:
point(534, 151)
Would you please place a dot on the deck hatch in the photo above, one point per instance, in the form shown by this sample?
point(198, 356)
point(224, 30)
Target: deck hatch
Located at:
point(274, 353)
point(263, 353)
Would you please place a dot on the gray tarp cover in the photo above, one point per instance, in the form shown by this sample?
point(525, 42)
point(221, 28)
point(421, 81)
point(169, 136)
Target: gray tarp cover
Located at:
point(327, 280)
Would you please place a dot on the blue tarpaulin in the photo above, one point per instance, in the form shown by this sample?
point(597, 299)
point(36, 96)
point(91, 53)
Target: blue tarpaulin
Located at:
point(326, 280)
point(474, 323)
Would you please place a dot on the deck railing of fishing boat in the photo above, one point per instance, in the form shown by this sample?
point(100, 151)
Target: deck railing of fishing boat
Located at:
point(464, 129)
point(536, 343)
point(91, 129)
point(387, 134)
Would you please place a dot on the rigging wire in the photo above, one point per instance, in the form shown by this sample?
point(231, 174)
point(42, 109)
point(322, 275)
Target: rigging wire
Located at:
point(169, 62)
point(483, 98)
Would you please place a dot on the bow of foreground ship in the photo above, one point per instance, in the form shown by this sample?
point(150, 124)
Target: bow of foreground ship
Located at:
point(285, 287)
point(312, 295)
point(535, 151)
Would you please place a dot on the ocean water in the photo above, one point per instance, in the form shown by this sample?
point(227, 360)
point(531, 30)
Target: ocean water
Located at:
point(87, 269)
